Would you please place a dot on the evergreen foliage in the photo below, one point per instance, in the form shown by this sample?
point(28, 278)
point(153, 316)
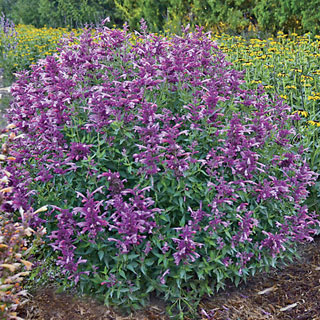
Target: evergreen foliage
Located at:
point(231, 15)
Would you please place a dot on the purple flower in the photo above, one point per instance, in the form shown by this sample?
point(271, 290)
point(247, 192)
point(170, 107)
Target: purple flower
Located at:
point(111, 282)
point(246, 225)
point(198, 215)
point(186, 246)
point(115, 183)
point(244, 257)
point(64, 241)
point(226, 261)
point(162, 278)
point(78, 151)
point(165, 247)
point(148, 248)
point(132, 219)
point(93, 222)
point(273, 242)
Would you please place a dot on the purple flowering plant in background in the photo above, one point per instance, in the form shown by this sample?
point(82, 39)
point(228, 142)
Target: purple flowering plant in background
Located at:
point(164, 173)
point(9, 42)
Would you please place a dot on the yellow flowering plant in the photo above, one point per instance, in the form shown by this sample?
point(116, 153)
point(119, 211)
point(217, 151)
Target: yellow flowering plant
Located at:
point(24, 45)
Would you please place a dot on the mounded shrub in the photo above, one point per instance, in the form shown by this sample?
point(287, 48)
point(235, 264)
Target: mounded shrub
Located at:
point(164, 174)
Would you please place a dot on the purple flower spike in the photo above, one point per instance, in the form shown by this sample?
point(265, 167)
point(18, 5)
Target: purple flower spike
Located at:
point(186, 246)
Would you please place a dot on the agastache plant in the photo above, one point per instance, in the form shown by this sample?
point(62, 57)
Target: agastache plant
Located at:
point(198, 179)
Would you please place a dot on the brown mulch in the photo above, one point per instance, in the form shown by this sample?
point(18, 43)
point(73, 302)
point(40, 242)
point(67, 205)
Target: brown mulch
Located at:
point(292, 292)
point(46, 304)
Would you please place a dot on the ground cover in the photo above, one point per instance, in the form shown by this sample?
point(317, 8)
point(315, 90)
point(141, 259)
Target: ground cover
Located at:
point(305, 135)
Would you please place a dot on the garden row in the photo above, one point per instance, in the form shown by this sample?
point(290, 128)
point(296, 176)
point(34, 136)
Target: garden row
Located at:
point(164, 169)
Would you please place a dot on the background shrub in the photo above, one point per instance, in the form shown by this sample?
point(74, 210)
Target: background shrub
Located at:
point(234, 16)
point(163, 173)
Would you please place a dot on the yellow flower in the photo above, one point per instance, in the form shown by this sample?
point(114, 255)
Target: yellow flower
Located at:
point(291, 87)
point(314, 97)
point(304, 78)
point(284, 96)
point(296, 70)
point(301, 112)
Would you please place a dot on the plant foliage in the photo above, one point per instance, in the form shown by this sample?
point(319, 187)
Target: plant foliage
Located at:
point(232, 15)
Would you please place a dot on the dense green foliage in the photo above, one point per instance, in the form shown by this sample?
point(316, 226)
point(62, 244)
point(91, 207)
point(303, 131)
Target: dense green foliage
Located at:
point(57, 13)
point(232, 15)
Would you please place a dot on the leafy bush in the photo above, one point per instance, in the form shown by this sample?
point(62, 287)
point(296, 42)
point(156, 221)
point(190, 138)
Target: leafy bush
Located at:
point(234, 16)
point(164, 174)
point(16, 243)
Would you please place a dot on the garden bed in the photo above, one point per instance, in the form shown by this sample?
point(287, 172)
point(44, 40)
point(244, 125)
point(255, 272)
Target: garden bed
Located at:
point(291, 292)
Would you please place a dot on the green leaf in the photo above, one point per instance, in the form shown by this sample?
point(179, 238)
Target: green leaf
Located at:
point(237, 281)
point(122, 274)
point(101, 254)
point(143, 270)
point(131, 267)
point(183, 221)
point(150, 288)
point(182, 274)
point(181, 203)
point(133, 256)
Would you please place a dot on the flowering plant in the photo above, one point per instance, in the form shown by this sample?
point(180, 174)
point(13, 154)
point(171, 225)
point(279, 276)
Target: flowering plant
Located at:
point(17, 240)
point(8, 42)
point(164, 174)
